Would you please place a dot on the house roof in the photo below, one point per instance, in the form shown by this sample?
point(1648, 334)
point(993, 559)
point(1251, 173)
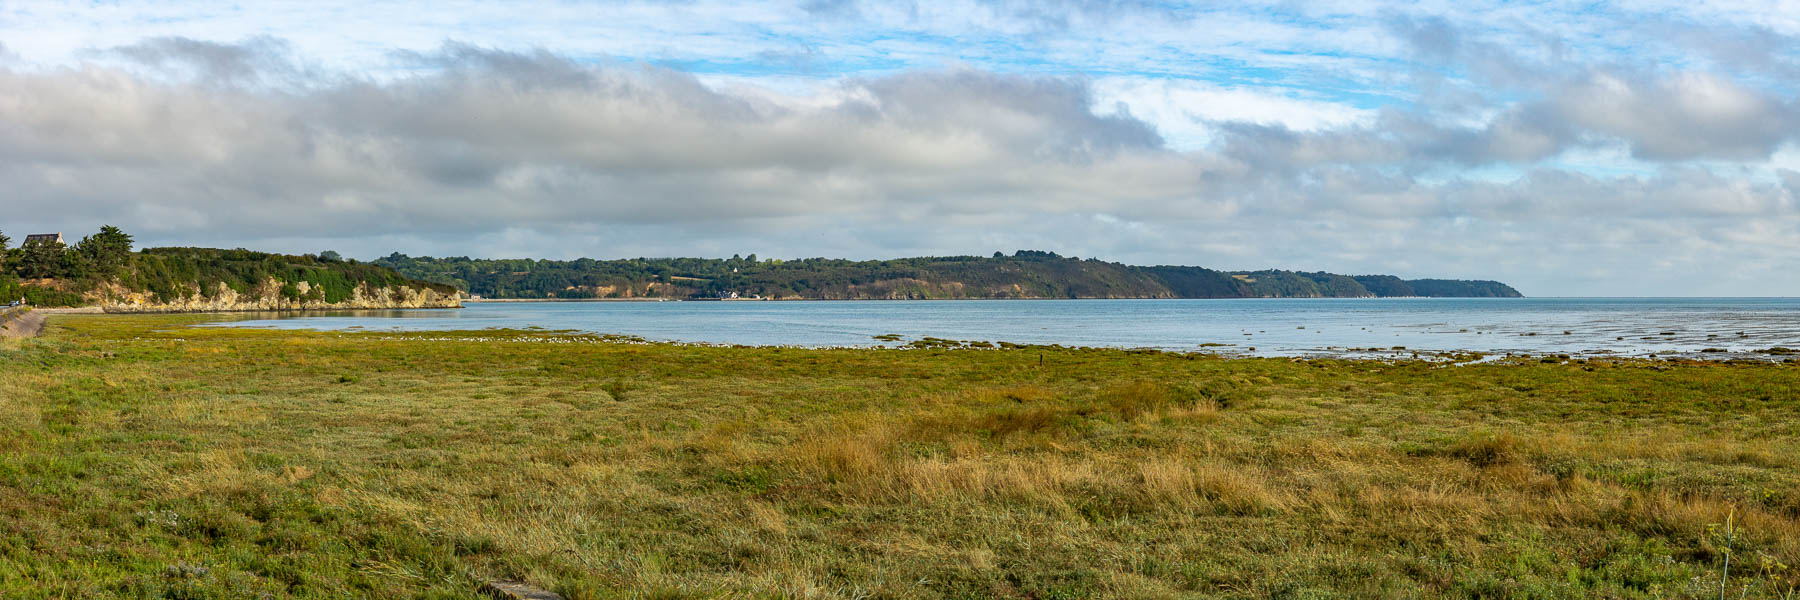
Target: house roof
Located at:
point(43, 237)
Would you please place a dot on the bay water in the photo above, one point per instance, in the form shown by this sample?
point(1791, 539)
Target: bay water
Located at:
point(1258, 327)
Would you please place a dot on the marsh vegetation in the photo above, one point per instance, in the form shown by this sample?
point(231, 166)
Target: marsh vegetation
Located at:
point(145, 458)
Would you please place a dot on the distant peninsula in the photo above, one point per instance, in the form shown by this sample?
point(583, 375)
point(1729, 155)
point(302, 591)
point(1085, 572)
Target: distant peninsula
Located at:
point(1025, 274)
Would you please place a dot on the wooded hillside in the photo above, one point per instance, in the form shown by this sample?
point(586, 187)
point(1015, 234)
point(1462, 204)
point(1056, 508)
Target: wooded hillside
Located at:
point(102, 267)
point(1024, 274)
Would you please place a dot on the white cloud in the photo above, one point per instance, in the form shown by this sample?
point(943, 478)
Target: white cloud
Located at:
point(1183, 111)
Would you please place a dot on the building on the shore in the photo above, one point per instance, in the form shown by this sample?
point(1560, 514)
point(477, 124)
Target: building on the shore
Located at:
point(44, 238)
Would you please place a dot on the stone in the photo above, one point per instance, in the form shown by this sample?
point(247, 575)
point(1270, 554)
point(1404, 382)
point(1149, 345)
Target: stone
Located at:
point(515, 590)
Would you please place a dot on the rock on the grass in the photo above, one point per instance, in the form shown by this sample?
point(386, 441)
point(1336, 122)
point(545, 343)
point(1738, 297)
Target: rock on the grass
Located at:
point(514, 590)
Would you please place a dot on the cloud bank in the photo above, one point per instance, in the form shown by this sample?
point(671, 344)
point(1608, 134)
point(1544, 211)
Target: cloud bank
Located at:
point(1521, 161)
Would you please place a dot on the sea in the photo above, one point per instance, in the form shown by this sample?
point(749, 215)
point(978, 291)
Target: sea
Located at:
point(1700, 327)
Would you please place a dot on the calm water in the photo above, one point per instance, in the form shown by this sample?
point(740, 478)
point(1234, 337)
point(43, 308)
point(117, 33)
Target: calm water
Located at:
point(1269, 327)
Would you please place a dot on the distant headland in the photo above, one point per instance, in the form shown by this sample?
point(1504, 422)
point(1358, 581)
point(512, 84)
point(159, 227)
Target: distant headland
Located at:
point(102, 270)
point(1025, 274)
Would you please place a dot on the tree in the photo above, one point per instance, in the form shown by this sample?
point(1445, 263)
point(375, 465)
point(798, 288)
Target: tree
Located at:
point(41, 259)
point(105, 253)
point(331, 256)
point(4, 252)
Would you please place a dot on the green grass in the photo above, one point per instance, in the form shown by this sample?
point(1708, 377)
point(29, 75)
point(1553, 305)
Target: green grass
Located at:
point(145, 458)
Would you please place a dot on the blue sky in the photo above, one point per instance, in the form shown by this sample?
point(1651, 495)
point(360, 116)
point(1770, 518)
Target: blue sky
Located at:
point(1570, 148)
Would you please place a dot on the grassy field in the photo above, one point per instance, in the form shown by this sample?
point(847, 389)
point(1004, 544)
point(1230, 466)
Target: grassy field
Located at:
point(140, 457)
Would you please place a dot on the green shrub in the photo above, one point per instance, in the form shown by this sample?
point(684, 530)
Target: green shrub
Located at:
point(37, 296)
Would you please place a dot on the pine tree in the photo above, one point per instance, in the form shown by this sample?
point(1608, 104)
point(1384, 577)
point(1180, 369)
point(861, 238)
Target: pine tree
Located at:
point(105, 253)
point(41, 259)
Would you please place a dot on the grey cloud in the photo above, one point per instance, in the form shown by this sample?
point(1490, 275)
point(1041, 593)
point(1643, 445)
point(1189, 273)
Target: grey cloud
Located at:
point(1791, 179)
point(1666, 117)
point(247, 62)
point(1438, 44)
point(533, 138)
point(483, 152)
point(1674, 193)
point(462, 62)
point(1752, 49)
point(799, 57)
point(1659, 114)
point(1277, 148)
point(1047, 117)
point(1520, 135)
point(1680, 116)
point(1021, 16)
point(1057, 15)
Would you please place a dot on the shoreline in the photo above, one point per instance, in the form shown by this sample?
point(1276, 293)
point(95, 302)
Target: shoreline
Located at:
point(35, 320)
point(521, 300)
point(105, 310)
point(1773, 355)
point(973, 299)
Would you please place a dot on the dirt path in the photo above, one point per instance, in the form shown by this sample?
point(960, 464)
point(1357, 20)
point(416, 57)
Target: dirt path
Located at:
point(24, 326)
point(32, 323)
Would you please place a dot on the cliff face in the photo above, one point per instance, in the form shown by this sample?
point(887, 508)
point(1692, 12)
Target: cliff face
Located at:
point(268, 297)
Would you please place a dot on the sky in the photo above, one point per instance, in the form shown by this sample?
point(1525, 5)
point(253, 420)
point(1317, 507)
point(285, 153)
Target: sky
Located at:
point(1586, 148)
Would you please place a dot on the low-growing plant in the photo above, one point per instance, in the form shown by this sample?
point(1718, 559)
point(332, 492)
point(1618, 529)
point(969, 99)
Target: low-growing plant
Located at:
point(616, 388)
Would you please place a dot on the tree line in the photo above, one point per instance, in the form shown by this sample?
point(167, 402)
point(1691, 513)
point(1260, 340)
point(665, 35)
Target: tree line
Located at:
point(1023, 274)
point(103, 254)
point(49, 273)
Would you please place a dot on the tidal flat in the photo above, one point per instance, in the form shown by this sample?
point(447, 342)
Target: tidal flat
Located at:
point(142, 456)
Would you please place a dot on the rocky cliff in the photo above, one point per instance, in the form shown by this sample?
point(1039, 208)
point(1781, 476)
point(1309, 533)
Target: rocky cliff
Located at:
point(269, 296)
